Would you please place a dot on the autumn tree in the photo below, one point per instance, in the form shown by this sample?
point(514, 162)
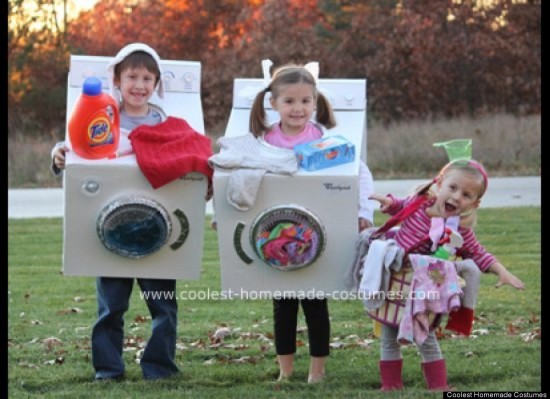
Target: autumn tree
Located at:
point(431, 58)
point(421, 59)
point(36, 68)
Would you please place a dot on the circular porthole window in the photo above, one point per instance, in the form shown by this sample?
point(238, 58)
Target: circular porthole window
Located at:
point(134, 227)
point(287, 237)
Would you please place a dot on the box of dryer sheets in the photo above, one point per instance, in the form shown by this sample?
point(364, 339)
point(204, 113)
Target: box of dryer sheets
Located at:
point(325, 152)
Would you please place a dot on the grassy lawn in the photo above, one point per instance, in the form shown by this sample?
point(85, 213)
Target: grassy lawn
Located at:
point(51, 315)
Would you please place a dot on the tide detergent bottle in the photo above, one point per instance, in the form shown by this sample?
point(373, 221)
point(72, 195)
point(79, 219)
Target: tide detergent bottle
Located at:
point(94, 125)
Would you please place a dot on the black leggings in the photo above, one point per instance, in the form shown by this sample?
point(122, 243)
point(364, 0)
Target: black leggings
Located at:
point(285, 316)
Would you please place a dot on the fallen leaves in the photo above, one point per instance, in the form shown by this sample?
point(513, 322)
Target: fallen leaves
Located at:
point(515, 326)
point(532, 335)
point(58, 360)
point(28, 365)
point(226, 359)
point(51, 343)
point(219, 335)
point(226, 338)
point(141, 319)
point(512, 328)
point(70, 310)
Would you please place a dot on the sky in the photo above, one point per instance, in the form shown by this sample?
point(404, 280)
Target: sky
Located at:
point(75, 6)
point(34, 13)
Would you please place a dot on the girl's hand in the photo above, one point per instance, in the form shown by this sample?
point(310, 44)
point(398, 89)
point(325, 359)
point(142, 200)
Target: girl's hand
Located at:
point(385, 202)
point(59, 157)
point(506, 277)
point(364, 224)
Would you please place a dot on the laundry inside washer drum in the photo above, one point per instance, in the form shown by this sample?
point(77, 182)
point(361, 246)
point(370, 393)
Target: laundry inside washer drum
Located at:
point(134, 227)
point(288, 237)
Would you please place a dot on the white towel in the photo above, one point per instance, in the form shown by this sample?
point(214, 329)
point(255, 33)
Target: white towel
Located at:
point(352, 277)
point(243, 187)
point(249, 159)
point(383, 257)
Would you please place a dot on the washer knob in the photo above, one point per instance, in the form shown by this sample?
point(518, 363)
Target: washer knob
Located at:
point(90, 187)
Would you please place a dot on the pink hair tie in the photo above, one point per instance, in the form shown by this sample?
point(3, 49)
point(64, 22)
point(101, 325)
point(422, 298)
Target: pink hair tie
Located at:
point(481, 170)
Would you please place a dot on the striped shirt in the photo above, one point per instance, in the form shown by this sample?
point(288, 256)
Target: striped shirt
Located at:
point(416, 227)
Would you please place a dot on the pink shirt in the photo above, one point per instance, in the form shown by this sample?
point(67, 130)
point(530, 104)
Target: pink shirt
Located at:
point(279, 139)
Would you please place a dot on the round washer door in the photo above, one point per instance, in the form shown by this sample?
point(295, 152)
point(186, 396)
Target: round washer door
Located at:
point(134, 227)
point(287, 237)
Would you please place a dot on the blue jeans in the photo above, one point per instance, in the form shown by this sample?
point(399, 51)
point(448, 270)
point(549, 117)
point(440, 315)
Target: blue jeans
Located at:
point(113, 296)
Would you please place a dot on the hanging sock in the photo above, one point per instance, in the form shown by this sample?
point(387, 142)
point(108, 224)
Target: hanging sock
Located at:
point(461, 321)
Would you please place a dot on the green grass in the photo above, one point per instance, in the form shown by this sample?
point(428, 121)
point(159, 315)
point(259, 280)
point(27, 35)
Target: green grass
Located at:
point(50, 319)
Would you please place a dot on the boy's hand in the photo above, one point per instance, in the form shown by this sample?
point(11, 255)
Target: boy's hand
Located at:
point(59, 157)
point(209, 192)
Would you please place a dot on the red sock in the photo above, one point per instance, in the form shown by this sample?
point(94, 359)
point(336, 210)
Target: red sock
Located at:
point(461, 321)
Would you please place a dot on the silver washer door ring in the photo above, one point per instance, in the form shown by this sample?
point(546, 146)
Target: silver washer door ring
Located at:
point(134, 227)
point(287, 237)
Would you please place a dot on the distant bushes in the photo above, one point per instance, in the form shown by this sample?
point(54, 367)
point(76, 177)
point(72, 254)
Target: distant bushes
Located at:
point(507, 145)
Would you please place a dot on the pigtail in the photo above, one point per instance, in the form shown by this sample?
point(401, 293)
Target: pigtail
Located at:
point(257, 122)
point(324, 114)
point(425, 189)
point(469, 220)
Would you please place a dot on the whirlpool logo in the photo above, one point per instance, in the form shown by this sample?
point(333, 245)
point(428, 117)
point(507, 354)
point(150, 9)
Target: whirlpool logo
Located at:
point(193, 177)
point(336, 187)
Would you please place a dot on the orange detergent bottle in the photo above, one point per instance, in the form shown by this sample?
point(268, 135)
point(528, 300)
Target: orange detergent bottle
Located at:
point(94, 125)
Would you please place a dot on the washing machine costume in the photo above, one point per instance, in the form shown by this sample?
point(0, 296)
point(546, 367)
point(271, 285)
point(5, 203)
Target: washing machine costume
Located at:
point(287, 228)
point(140, 212)
point(160, 183)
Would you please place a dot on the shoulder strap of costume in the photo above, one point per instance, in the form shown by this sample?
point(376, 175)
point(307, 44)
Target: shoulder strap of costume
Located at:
point(400, 216)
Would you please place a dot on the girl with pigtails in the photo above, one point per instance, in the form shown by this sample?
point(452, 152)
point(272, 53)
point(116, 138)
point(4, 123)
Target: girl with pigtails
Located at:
point(294, 95)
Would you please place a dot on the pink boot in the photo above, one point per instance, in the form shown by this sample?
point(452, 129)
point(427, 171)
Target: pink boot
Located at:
point(390, 374)
point(435, 374)
point(461, 321)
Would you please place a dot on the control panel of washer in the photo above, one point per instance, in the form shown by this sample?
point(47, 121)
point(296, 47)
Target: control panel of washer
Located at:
point(177, 76)
point(343, 94)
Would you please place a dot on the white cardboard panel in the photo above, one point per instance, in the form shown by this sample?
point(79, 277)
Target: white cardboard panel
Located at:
point(83, 252)
point(330, 194)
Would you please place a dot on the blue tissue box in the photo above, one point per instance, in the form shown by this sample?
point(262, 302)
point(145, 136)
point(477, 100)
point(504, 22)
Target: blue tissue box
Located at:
point(325, 152)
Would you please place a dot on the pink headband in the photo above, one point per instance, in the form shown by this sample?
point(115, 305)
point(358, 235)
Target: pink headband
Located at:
point(481, 170)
